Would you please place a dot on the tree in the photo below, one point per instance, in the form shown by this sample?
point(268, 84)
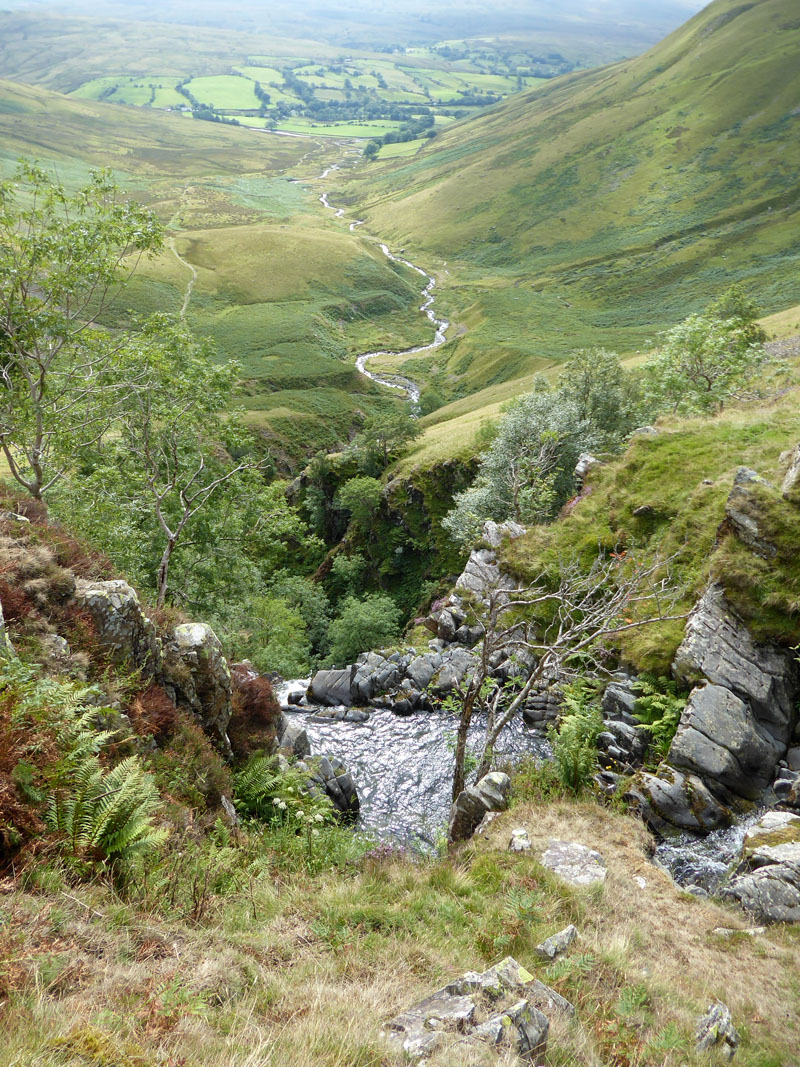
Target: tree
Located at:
point(63, 259)
point(605, 396)
point(736, 304)
point(553, 631)
point(701, 364)
point(361, 497)
point(527, 472)
point(383, 437)
point(361, 624)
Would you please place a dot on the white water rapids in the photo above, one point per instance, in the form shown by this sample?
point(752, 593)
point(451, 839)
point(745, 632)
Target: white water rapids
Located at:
point(440, 326)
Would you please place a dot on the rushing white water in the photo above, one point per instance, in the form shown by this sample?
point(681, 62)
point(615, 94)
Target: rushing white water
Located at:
point(440, 326)
point(403, 765)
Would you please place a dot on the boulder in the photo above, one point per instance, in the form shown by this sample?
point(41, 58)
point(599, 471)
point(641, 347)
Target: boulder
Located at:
point(556, 945)
point(196, 672)
point(742, 512)
point(520, 842)
point(619, 701)
point(671, 799)
point(770, 893)
point(491, 793)
point(520, 1026)
point(585, 463)
point(332, 687)
point(331, 776)
point(418, 1030)
point(574, 863)
point(718, 648)
point(124, 633)
point(293, 738)
point(720, 740)
point(716, 1028)
point(456, 662)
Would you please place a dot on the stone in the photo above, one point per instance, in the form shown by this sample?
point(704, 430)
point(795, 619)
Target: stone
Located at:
point(196, 671)
point(585, 463)
point(495, 532)
point(742, 511)
point(671, 799)
point(720, 740)
point(230, 811)
point(418, 1030)
point(619, 701)
point(331, 776)
point(124, 633)
point(6, 648)
point(520, 842)
point(556, 945)
point(54, 648)
point(491, 793)
point(521, 1026)
point(296, 698)
point(729, 931)
point(791, 479)
point(770, 893)
point(793, 758)
point(622, 746)
point(456, 662)
point(332, 687)
point(574, 863)
point(717, 647)
point(294, 738)
point(546, 999)
point(716, 1028)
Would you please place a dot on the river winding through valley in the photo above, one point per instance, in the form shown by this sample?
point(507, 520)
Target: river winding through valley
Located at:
point(440, 326)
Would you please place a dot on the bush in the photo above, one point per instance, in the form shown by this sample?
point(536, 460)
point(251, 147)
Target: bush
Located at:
point(575, 740)
point(256, 713)
point(363, 624)
point(658, 708)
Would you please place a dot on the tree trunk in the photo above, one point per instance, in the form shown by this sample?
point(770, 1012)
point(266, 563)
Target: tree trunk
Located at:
point(163, 572)
point(461, 741)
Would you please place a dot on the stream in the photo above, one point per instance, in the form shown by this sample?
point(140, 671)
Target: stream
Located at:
point(440, 326)
point(403, 765)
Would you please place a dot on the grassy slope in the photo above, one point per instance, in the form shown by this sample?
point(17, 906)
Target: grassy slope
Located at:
point(281, 286)
point(607, 205)
point(683, 475)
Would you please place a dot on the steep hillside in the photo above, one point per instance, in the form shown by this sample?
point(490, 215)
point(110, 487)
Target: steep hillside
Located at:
point(611, 202)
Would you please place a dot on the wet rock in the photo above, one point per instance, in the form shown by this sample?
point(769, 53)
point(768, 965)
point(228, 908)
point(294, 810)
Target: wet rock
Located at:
point(742, 511)
point(574, 863)
point(124, 633)
point(330, 775)
point(197, 673)
point(621, 746)
point(716, 1029)
point(671, 799)
point(339, 715)
point(770, 893)
point(332, 687)
point(520, 842)
point(491, 793)
point(294, 739)
point(720, 740)
point(557, 944)
point(456, 662)
point(296, 698)
point(542, 707)
point(718, 648)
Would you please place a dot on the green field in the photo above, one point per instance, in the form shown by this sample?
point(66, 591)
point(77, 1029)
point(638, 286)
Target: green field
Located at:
point(224, 91)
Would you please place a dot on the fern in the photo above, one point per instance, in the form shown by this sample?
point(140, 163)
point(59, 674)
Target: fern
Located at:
point(575, 741)
point(107, 814)
point(262, 791)
point(658, 708)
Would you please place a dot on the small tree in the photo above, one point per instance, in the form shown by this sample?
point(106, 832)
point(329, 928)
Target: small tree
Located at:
point(362, 624)
point(553, 631)
point(61, 264)
point(607, 399)
point(383, 437)
point(361, 497)
point(701, 363)
point(527, 472)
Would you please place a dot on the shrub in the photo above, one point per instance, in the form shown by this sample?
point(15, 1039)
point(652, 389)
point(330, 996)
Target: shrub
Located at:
point(256, 712)
point(363, 624)
point(575, 740)
point(658, 708)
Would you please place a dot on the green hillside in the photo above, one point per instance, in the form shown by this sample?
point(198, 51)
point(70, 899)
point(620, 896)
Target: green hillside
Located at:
point(610, 203)
point(278, 284)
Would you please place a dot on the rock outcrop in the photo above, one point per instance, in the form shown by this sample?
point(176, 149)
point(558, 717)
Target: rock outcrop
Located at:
point(574, 863)
point(505, 1007)
point(491, 793)
point(670, 800)
point(767, 882)
point(124, 633)
point(742, 511)
point(196, 674)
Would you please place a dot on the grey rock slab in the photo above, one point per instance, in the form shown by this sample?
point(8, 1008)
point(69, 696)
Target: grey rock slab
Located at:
point(791, 479)
point(619, 701)
point(716, 1028)
point(718, 647)
point(671, 799)
point(491, 793)
point(495, 532)
point(332, 687)
point(295, 739)
point(770, 893)
point(720, 740)
point(546, 999)
point(556, 945)
point(574, 863)
point(417, 1030)
point(742, 510)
